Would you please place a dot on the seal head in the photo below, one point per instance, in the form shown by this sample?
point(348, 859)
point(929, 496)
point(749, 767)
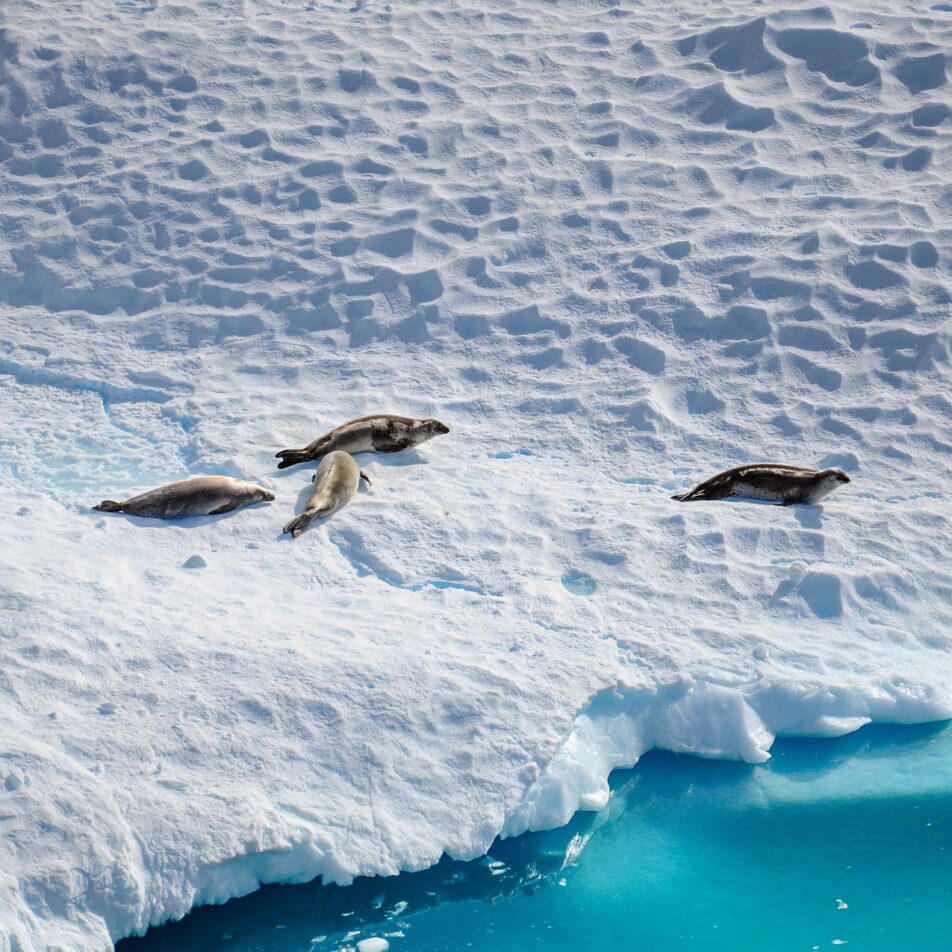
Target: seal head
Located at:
point(433, 428)
point(827, 481)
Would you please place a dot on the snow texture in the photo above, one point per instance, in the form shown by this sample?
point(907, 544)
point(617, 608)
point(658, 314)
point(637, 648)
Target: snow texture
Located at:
point(616, 247)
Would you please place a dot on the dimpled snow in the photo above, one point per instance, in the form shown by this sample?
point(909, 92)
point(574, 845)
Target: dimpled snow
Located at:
point(615, 248)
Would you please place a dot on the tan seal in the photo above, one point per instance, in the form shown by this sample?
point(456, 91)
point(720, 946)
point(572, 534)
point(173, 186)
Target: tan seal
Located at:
point(335, 481)
point(198, 496)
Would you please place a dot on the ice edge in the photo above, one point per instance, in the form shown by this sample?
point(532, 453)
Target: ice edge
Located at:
point(619, 725)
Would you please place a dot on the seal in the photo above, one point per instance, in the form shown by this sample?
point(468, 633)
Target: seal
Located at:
point(335, 481)
point(378, 433)
point(198, 496)
point(774, 482)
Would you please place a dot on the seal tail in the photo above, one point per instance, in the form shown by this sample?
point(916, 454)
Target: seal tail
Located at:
point(692, 495)
point(107, 505)
point(298, 524)
point(292, 458)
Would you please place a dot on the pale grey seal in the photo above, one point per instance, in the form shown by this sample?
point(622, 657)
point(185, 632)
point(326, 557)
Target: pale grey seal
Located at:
point(198, 496)
point(380, 433)
point(774, 482)
point(335, 481)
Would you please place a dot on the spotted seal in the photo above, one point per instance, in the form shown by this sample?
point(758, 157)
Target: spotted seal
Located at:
point(774, 482)
point(379, 433)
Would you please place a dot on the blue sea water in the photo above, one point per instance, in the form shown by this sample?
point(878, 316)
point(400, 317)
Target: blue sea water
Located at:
point(832, 843)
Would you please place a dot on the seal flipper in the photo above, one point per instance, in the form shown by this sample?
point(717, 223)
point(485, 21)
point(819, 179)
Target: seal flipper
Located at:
point(318, 449)
point(717, 487)
point(298, 524)
point(699, 492)
point(293, 457)
point(107, 505)
point(223, 509)
point(365, 478)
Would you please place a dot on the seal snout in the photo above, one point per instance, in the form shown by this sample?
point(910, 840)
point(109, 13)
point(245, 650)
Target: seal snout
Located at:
point(439, 428)
point(267, 497)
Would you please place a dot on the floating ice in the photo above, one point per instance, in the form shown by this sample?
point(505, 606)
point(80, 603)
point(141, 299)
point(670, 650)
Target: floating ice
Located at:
point(613, 253)
point(375, 944)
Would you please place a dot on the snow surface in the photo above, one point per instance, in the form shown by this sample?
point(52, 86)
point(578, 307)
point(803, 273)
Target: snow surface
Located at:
point(616, 247)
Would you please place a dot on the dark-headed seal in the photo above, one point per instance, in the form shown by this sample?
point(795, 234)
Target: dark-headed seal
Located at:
point(379, 433)
point(774, 482)
point(198, 496)
point(335, 481)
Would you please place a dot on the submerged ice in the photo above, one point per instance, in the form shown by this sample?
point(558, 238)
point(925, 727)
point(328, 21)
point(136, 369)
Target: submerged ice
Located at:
point(613, 250)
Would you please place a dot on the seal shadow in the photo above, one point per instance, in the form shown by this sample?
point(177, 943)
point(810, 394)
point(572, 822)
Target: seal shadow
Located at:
point(408, 457)
point(732, 501)
point(309, 466)
point(809, 517)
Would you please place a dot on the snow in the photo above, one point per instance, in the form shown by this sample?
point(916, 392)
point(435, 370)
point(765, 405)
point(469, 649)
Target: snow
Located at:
point(616, 248)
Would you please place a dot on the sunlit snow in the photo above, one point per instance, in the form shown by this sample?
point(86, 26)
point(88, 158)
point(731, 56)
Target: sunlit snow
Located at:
point(616, 247)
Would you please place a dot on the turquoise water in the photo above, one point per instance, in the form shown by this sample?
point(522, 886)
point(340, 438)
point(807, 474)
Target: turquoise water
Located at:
point(831, 843)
